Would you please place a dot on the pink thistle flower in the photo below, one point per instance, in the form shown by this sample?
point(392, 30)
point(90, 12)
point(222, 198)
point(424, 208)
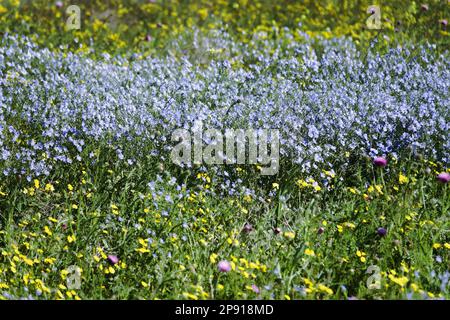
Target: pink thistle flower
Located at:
point(113, 259)
point(380, 162)
point(443, 177)
point(224, 266)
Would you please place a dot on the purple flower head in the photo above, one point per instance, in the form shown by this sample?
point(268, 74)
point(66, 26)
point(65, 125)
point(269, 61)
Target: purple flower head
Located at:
point(224, 266)
point(113, 259)
point(443, 177)
point(59, 4)
point(380, 162)
point(248, 228)
point(381, 232)
point(255, 288)
point(320, 230)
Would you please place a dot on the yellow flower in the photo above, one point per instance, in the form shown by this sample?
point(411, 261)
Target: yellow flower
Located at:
point(213, 258)
point(350, 225)
point(330, 173)
point(15, 3)
point(352, 190)
point(402, 179)
point(3, 9)
point(325, 289)
point(36, 184)
point(191, 296)
point(302, 183)
point(401, 281)
point(143, 242)
point(414, 287)
point(203, 13)
point(3, 285)
point(379, 188)
point(62, 287)
point(308, 282)
point(143, 250)
point(70, 187)
point(437, 245)
point(361, 255)
point(310, 252)
point(71, 238)
point(47, 230)
point(289, 234)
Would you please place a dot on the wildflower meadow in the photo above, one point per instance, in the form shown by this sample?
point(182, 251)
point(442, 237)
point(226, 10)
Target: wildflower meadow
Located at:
point(275, 150)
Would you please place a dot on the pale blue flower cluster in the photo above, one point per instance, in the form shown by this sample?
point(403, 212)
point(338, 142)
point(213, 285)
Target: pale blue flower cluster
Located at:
point(326, 98)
